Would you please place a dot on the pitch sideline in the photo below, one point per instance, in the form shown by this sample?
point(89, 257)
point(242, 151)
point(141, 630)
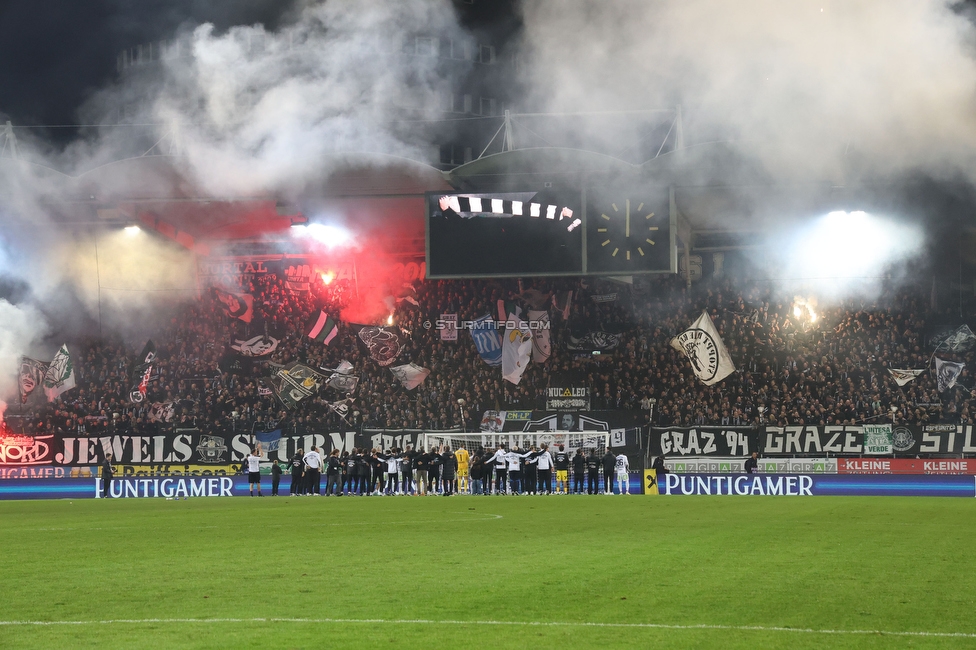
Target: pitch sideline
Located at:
point(380, 621)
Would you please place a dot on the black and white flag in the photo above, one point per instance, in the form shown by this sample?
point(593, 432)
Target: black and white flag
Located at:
point(257, 346)
point(904, 376)
point(410, 375)
point(705, 350)
point(342, 378)
point(947, 372)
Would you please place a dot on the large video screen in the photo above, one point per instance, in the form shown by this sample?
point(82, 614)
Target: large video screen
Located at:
point(504, 234)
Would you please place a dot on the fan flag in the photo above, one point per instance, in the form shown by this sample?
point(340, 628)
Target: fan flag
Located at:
point(410, 375)
point(516, 348)
point(32, 374)
point(904, 376)
point(142, 372)
point(487, 341)
point(382, 343)
point(705, 350)
point(60, 376)
point(237, 305)
point(324, 329)
point(269, 441)
point(541, 347)
point(946, 373)
point(342, 378)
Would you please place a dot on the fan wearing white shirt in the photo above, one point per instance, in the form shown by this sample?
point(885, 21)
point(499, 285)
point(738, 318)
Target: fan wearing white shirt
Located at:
point(623, 478)
point(545, 470)
point(253, 461)
point(500, 463)
point(313, 469)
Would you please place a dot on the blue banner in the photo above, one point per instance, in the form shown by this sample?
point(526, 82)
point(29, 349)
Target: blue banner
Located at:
point(487, 340)
point(174, 487)
point(914, 485)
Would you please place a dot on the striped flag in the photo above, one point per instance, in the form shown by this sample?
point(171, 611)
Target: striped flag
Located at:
point(324, 329)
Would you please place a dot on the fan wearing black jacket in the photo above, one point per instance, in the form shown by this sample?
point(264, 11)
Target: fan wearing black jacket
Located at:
point(592, 473)
point(275, 478)
point(487, 468)
point(477, 471)
point(297, 466)
point(333, 472)
point(448, 471)
point(609, 461)
point(406, 470)
point(579, 471)
point(420, 464)
point(352, 472)
point(433, 471)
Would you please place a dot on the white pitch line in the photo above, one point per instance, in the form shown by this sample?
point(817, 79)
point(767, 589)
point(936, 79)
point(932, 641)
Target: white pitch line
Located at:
point(421, 621)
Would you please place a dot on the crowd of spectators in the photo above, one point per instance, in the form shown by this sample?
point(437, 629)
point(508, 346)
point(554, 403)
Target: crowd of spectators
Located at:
point(790, 369)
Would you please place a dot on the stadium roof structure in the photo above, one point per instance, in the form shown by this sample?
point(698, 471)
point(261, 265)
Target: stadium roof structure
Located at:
point(380, 193)
point(722, 196)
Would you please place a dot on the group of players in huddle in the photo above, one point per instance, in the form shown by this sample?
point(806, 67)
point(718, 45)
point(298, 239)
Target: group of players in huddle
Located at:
point(443, 471)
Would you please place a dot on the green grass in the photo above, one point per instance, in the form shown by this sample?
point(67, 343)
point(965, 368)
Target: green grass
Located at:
point(829, 563)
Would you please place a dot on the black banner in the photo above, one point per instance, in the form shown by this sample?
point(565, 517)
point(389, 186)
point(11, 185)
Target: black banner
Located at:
point(703, 441)
point(568, 399)
point(581, 421)
point(907, 440)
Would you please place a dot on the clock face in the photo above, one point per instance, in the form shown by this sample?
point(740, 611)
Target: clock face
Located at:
point(628, 234)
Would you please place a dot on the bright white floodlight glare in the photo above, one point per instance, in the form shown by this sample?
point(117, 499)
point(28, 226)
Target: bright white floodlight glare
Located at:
point(132, 230)
point(844, 250)
point(328, 235)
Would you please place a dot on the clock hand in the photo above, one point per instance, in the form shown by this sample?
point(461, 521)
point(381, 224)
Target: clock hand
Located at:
point(627, 221)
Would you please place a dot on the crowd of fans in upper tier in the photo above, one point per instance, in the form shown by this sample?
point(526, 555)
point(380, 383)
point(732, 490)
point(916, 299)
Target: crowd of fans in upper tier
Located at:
point(789, 370)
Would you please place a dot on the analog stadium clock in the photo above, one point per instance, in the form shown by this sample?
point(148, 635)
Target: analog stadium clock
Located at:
point(628, 234)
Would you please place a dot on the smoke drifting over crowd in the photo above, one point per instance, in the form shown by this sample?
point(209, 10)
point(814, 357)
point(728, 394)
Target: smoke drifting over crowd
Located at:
point(835, 91)
point(811, 87)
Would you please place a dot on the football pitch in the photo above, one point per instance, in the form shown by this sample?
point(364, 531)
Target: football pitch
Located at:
point(499, 572)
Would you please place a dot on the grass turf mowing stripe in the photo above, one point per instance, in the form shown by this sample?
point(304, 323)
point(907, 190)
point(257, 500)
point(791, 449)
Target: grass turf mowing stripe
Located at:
point(420, 621)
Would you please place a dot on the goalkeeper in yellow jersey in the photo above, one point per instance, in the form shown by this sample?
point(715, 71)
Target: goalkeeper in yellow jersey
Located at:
point(462, 470)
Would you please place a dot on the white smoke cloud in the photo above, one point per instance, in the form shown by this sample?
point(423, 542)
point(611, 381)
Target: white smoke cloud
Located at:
point(248, 112)
point(806, 86)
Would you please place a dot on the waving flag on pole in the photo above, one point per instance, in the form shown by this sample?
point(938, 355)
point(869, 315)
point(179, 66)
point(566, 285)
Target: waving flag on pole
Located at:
point(947, 372)
point(705, 350)
point(60, 376)
point(410, 375)
point(541, 348)
point(32, 374)
point(516, 348)
point(237, 305)
point(904, 376)
point(487, 341)
point(324, 329)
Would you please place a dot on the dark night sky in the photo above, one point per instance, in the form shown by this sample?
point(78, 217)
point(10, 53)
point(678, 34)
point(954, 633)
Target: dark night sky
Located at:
point(55, 53)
